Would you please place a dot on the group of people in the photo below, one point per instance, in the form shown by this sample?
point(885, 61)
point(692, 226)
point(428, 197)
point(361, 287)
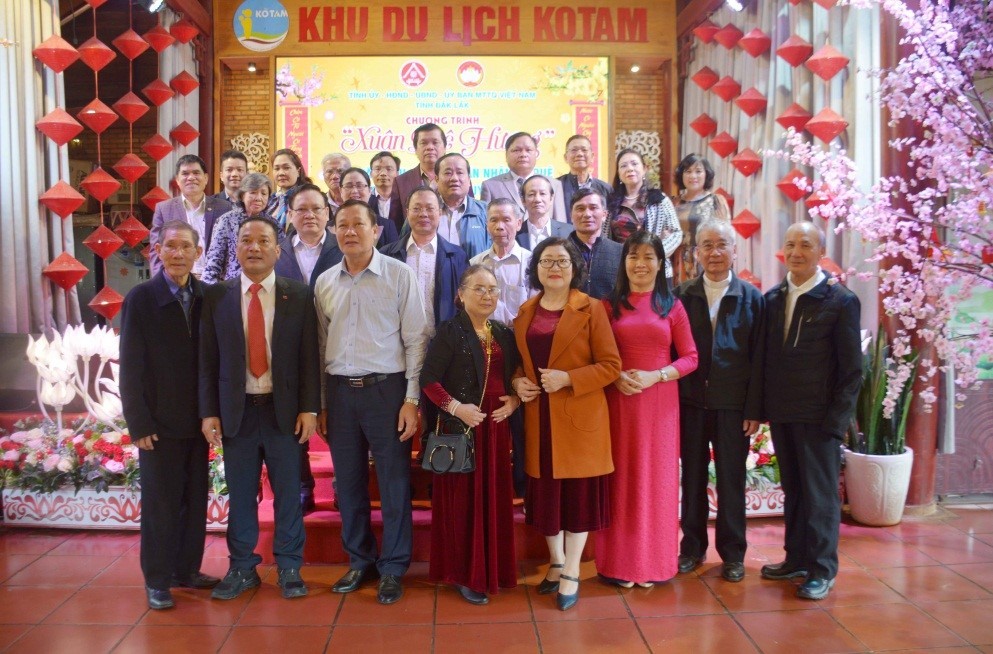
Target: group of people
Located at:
point(370, 318)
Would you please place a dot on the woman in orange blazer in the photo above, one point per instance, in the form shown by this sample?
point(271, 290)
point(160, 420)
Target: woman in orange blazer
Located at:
point(568, 356)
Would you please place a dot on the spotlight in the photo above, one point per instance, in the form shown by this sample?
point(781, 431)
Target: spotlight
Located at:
point(735, 5)
point(635, 68)
point(251, 67)
point(152, 5)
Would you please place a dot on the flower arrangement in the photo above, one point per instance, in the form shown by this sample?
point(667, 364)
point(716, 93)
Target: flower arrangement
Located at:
point(304, 92)
point(587, 82)
point(761, 466)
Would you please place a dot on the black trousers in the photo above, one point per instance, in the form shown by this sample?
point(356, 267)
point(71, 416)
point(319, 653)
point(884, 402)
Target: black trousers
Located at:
point(174, 488)
point(307, 482)
point(699, 428)
point(809, 467)
point(360, 421)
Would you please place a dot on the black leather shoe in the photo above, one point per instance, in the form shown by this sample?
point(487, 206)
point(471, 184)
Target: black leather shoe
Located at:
point(784, 570)
point(307, 502)
point(235, 583)
point(547, 586)
point(291, 583)
point(353, 579)
point(689, 563)
point(815, 588)
point(159, 599)
point(733, 572)
point(566, 602)
point(471, 596)
point(195, 580)
point(390, 590)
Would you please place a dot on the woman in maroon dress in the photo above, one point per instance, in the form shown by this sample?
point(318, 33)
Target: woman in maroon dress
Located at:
point(472, 520)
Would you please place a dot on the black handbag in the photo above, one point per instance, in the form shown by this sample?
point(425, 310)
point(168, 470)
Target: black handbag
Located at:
point(454, 450)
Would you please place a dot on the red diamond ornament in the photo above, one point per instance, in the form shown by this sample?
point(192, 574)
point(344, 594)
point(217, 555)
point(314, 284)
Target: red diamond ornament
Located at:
point(829, 266)
point(751, 102)
point(96, 54)
point(795, 116)
point(748, 276)
point(723, 144)
point(794, 50)
point(826, 62)
point(827, 4)
point(747, 162)
point(157, 147)
point(728, 36)
point(159, 38)
point(97, 116)
point(705, 78)
point(96, 3)
point(184, 31)
point(59, 126)
point(782, 257)
point(705, 31)
point(704, 125)
point(56, 53)
point(62, 199)
point(103, 242)
point(65, 271)
point(130, 167)
point(132, 231)
point(130, 107)
point(130, 44)
point(727, 197)
point(107, 302)
point(818, 199)
point(746, 224)
point(755, 42)
point(154, 196)
point(184, 83)
point(826, 125)
point(158, 92)
point(788, 185)
point(184, 133)
point(726, 89)
point(100, 185)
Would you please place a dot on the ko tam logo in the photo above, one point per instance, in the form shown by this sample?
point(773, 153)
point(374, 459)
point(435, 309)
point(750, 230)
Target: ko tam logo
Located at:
point(261, 25)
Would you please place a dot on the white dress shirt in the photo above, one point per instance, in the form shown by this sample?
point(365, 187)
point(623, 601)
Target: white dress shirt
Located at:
point(796, 291)
point(448, 227)
point(307, 255)
point(715, 293)
point(384, 205)
point(511, 275)
point(196, 217)
point(538, 234)
point(422, 260)
point(257, 385)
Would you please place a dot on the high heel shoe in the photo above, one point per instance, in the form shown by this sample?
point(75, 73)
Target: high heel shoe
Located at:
point(566, 602)
point(547, 586)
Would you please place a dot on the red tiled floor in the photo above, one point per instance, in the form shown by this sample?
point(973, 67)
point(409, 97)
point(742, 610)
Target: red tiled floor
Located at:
point(11, 564)
point(417, 606)
point(510, 638)
point(69, 639)
point(616, 635)
point(385, 639)
point(17, 542)
point(906, 627)
point(53, 570)
point(267, 607)
point(172, 640)
point(30, 604)
point(509, 605)
point(970, 619)
point(858, 587)
point(786, 632)
point(978, 573)
point(972, 521)
point(954, 547)
point(756, 594)
point(597, 601)
point(125, 571)
point(11, 632)
point(695, 633)
point(884, 554)
point(96, 544)
point(98, 606)
point(936, 583)
point(677, 597)
point(194, 607)
point(277, 640)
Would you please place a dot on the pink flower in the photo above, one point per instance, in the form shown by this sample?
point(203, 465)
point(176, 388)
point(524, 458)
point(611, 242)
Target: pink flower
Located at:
point(114, 466)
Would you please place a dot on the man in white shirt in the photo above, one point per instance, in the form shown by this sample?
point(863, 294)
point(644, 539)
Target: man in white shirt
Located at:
point(463, 218)
point(384, 167)
point(538, 200)
point(508, 260)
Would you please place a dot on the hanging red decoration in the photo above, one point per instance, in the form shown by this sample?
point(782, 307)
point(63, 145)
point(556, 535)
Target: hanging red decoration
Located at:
point(705, 78)
point(987, 254)
point(159, 38)
point(795, 116)
point(62, 199)
point(130, 44)
point(789, 187)
point(130, 107)
point(704, 125)
point(184, 83)
point(723, 144)
point(96, 54)
point(827, 4)
point(828, 265)
point(184, 133)
point(727, 197)
point(826, 125)
point(726, 89)
point(154, 196)
point(103, 242)
point(100, 185)
point(795, 2)
point(158, 92)
point(184, 31)
point(818, 198)
point(56, 53)
point(130, 167)
point(747, 162)
point(157, 147)
point(705, 31)
point(728, 36)
point(97, 116)
point(95, 3)
point(132, 231)
point(746, 224)
point(826, 62)
point(755, 43)
point(748, 276)
point(65, 271)
point(107, 302)
point(782, 257)
point(751, 102)
point(59, 126)
point(795, 50)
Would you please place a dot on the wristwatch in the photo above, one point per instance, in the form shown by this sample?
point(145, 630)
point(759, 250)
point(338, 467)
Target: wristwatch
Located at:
point(412, 400)
point(664, 375)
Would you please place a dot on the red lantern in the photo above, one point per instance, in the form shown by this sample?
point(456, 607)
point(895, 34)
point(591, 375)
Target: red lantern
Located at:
point(95, 3)
point(184, 133)
point(96, 54)
point(154, 196)
point(795, 2)
point(728, 36)
point(184, 31)
point(826, 62)
point(97, 116)
point(726, 89)
point(59, 126)
point(826, 125)
point(158, 92)
point(747, 162)
point(781, 256)
point(103, 242)
point(159, 38)
point(827, 4)
point(705, 78)
point(795, 116)
point(130, 44)
point(788, 185)
point(107, 302)
point(100, 185)
point(157, 147)
point(184, 83)
point(65, 271)
point(130, 107)
point(746, 224)
point(704, 125)
point(723, 144)
point(987, 254)
point(62, 199)
point(751, 102)
point(818, 198)
point(828, 265)
point(727, 197)
point(755, 42)
point(795, 50)
point(750, 277)
point(130, 167)
point(705, 31)
point(132, 231)
point(56, 53)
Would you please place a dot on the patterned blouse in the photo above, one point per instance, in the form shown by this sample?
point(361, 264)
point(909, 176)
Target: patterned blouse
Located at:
point(658, 216)
point(222, 258)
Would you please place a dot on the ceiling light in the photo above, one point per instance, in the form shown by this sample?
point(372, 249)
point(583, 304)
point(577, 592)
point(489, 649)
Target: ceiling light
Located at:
point(735, 5)
point(635, 68)
point(152, 5)
point(251, 67)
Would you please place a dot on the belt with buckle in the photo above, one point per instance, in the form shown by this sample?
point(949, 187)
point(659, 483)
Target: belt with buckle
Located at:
point(261, 399)
point(363, 382)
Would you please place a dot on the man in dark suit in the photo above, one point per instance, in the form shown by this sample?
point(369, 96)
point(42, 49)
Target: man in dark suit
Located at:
point(384, 167)
point(522, 157)
point(537, 198)
point(193, 206)
point(259, 396)
point(720, 403)
point(580, 156)
point(234, 167)
point(160, 323)
point(813, 373)
point(430, 143)
point(602, 256)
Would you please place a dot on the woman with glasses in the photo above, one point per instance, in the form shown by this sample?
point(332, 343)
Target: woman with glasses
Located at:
point(251, 198)
point(472, 522)
point(568, 356)
point(641, 545)
point(356, 185)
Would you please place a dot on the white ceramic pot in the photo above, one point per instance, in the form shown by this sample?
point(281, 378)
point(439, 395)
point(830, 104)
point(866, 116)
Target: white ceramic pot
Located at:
point(876, 485)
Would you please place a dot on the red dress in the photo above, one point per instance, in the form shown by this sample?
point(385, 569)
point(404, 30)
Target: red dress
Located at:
point(472, 515)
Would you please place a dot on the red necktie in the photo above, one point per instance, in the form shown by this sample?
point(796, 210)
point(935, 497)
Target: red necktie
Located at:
point(257, 360)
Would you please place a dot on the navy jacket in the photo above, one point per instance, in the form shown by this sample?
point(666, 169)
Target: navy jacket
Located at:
point(159, 358)
point(450, 263)
point(570, 184)
point(814, 374)
point(729, 374)
point(602, 272)
point(287, 266)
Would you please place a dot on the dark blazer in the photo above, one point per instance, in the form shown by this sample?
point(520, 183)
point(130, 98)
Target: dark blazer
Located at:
point(558, 230)
point(396, 215)
point(814, 374)
point(223, 195)
point(404, 185)
point(287, 266)
point(172, 209)
point(602, 273)
point(296, 384)
point(159, 358)
point(729, 373)
point(389, 232)
point(570, 184)
point(504, 185)
point(450, 263)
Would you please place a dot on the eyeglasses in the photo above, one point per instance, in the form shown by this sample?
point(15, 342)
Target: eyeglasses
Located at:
point(359, 186)
point(483, 291)
point(555, 263)
point(308, 211)
point(720, 246)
